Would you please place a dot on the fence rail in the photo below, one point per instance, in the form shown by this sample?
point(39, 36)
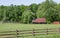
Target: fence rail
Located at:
point(33, 32)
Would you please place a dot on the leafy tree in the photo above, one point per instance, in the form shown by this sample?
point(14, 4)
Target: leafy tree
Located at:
point(52, 14)
point(26, 16)
point(42, 8)
point(33, 8)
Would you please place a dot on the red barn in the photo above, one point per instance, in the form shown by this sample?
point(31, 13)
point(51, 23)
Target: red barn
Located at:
point(56, 22)
point(39, 21)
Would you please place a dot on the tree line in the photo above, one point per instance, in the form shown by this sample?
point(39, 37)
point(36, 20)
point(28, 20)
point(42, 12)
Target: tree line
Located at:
point(25, 14)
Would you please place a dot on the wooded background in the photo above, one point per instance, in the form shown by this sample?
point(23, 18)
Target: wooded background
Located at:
point(25, 14)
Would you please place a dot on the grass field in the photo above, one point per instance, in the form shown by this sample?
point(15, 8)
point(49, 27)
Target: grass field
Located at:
point(14, 26)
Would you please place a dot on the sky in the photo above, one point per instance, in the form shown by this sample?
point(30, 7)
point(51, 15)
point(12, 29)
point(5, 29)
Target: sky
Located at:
point(24, 2)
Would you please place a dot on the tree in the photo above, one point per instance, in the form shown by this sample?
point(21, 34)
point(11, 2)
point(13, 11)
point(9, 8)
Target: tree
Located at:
point(57, 7)
point(42, 8)
point(52, 14)
point(33, 8)
point(26, 16)
point(1, 12)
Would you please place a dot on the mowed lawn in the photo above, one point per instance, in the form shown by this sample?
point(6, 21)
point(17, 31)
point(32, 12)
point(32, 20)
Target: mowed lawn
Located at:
point(14, 26)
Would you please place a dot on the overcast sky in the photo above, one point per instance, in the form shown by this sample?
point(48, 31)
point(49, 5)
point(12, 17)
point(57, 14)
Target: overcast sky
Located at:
point(24, 2)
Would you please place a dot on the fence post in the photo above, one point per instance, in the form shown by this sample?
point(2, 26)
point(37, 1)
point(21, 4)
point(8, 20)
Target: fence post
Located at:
point(59, 30)
point(33, 32)
point(17, 33)
point(47, 31)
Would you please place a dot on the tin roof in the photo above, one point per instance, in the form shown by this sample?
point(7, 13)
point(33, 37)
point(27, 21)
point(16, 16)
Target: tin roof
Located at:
point(39, 20)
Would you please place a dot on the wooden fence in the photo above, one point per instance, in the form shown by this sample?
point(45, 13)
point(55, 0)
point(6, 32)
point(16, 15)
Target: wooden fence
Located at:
point(33, 32)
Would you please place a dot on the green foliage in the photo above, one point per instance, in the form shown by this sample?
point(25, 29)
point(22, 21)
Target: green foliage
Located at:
point(25, 14)
point(33, 7)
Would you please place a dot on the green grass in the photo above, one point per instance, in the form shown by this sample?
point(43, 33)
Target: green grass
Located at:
point(49, 36)
point(14, 26)
point(46, 36)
